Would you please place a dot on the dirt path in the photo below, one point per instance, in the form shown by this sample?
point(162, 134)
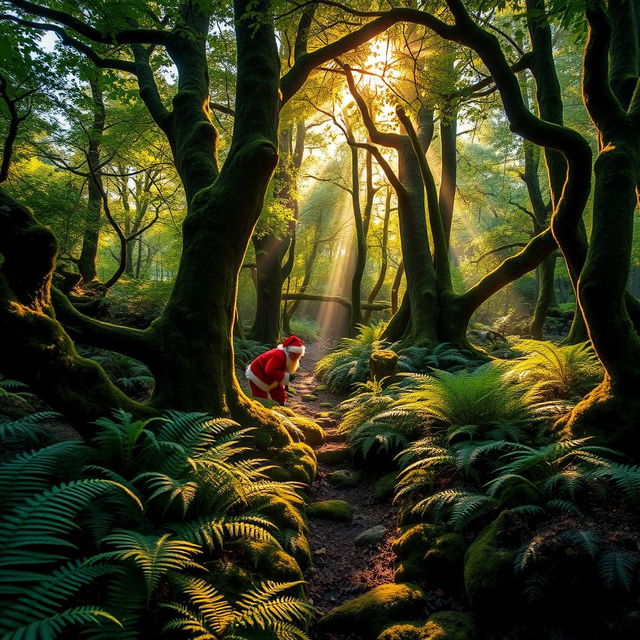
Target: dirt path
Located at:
point(340, 569)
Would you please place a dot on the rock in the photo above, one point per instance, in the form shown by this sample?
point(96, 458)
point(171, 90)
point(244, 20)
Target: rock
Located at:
point(288, 519)
point(369, 614)
point(309, 397)
point(334, 510)
point(344, 479)
point(370, 536)
point(401, 632)
point(312, 433)
point(430, 557)
point(295, 461)
point(326, 405)
point(383, 489)
point(334, 456)
point(270, 562)
point(449, 625)
point(489, 578)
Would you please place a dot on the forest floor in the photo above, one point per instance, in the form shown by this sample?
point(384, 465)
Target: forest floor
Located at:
point(340, 570)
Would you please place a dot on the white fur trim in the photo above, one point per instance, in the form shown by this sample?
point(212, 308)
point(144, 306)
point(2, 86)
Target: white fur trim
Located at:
point(281, 347)
point(299, 350)
point(261, 384)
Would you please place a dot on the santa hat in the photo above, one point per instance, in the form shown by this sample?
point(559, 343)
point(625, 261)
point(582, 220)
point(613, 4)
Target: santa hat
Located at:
point(292, 344)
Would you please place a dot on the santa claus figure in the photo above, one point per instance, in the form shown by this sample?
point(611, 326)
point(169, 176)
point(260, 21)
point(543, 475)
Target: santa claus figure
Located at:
point(269, 373)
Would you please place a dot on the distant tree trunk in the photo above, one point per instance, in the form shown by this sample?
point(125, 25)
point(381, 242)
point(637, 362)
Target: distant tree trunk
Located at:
point(89, 252)
point(271, 250)
point(384, 258)
point(355, 317)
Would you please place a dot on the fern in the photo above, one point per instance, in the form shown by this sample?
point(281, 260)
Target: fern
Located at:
point(618, 568)
point(153, 555)
point(341, 369)
point(29, 425)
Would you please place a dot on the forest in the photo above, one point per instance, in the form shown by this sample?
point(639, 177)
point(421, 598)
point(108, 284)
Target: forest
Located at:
point(319, 319)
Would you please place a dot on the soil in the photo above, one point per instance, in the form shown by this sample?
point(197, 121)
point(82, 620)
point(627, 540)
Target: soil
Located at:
point(340, 570)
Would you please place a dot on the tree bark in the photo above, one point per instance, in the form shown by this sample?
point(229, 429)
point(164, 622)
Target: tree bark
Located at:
point(89, 252)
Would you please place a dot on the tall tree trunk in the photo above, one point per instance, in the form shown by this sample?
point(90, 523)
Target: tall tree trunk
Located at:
point(612, 410)
point(384, 257)
point(89, 252)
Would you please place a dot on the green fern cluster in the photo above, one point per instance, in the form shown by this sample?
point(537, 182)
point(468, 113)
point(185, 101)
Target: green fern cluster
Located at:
point(127, 373)
point(551, 372)
point(443, 356)
point(167, 494)
point(246, 351)
point(348, 364)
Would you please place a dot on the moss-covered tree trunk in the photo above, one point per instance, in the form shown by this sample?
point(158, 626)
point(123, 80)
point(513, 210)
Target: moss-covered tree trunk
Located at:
point(612, 410)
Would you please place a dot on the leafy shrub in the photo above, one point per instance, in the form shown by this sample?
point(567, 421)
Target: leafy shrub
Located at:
point(474, 399)
point(246, 351)
point(305, 328)
point(443, 356)
point(552, 372)
point(137, 303)
point(341, 369)
point(129, 374)
point(159, 496)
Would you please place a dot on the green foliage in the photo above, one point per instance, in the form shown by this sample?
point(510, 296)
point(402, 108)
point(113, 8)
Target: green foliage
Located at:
point(130, 375)
point(551, 372)
point(305, 328)
point(341, 369)
point(479, 398)
point(55, 514)
point(246, 351)
point(264, 609)
point(443, 356)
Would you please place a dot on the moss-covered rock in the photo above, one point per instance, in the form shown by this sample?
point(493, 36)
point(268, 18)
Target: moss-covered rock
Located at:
point(291, 528)
point(309, 397)
point(383, 489)
point(401, 632)
point(372, 612)
point(270, 562)
point(326, 405)
point(430, 557)
point(312, 432)
point(344, 479)
point(297, 461)
point(489, 578)
point(334, 510)
point(449, 625)
point(334, 456)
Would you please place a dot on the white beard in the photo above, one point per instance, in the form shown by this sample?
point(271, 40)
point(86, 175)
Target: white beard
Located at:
point(292, 365)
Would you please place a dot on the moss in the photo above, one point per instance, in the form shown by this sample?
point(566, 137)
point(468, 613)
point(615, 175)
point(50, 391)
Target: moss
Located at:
point(296, 461)
point(326, 405)
point(344, 478)
point(369, 614)
point(284, 411)
point(489, 577)
point(401, 632)
point(334, 456)
point(449, 625)
point(321, 387)
point(309, 397)
point(410, 549)
point(312, 433)
point(383, 489)
point(270, 562)
point(291, 527)
point(383, 363)
point(334, 510)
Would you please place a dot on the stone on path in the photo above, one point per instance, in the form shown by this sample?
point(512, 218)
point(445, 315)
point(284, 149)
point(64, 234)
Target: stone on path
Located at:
point(334, 456)
point(370, 536)
point(344, 478)
point(334, 510)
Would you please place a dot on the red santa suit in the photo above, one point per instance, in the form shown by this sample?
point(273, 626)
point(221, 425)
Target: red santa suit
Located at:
point(268, 374)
